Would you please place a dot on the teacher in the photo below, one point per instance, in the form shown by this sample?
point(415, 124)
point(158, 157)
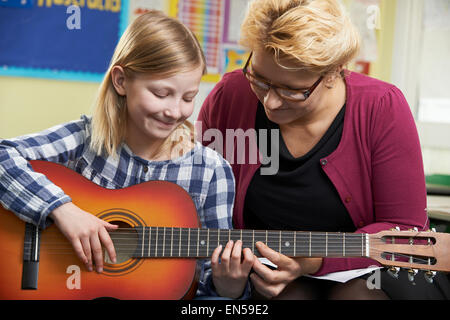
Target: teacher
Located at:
point(347, 156)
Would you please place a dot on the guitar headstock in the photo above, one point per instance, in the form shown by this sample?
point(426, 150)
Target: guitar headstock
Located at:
point(412, 249)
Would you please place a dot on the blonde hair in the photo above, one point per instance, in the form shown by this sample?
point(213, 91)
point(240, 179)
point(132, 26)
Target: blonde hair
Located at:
point(152, 44)
point(313, 35)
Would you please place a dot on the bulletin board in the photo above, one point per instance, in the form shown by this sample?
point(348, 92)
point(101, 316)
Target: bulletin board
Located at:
point(51, 39)
point(42, 45)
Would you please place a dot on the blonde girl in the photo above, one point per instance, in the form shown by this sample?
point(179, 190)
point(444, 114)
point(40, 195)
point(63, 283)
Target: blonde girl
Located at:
point(138, 132)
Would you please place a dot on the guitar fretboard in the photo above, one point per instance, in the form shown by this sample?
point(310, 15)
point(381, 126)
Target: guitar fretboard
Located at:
point(160, 242)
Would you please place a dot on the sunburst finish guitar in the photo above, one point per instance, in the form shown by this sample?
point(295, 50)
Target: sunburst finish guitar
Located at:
point(160, 237)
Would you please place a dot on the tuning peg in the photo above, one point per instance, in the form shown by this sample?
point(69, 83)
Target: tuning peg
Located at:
point(429, 275)
point(393, 272)
point(411, 274)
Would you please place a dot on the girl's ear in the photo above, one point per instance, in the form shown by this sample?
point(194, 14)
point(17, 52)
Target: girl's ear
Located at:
point(118, 80)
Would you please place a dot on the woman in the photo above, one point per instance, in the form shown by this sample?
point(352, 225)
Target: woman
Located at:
point(348, 156)
point(139, 132)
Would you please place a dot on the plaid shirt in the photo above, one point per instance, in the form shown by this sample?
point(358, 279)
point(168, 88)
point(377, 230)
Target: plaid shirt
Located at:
point(202, 172)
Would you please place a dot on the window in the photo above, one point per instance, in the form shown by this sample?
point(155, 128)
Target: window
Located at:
point(421, 67)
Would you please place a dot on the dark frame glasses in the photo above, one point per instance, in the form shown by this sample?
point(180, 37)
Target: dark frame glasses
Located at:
point(295, 95)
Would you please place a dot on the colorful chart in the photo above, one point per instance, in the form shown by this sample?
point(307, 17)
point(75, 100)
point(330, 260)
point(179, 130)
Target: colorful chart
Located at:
point(204, 18)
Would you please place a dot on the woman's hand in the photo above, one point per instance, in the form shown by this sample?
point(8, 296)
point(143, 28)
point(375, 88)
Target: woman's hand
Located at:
point(231, 274)
point(86, 233)
point(270, 283)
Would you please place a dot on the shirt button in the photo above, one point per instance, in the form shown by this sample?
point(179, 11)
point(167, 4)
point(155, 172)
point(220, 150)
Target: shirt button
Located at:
point(348, 199)
point(324, 162)
point(145, 169)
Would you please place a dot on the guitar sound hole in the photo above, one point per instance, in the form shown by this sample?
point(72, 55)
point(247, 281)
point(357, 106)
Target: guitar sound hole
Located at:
point(125, 241)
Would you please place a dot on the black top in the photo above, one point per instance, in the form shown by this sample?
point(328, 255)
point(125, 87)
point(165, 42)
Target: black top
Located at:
point(300, 196)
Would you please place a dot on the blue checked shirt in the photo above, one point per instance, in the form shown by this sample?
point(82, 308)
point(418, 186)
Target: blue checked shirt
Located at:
point(202, 172)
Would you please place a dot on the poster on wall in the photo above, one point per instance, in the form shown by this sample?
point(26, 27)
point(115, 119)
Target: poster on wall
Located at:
point(216, 23)
point(58, 40)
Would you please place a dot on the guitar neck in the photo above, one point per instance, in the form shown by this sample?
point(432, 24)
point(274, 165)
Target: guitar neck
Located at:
point(166, 242)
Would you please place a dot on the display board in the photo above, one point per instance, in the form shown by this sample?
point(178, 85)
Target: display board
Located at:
point(60, 39)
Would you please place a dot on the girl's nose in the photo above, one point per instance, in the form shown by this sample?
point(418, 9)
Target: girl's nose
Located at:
point(173, 110)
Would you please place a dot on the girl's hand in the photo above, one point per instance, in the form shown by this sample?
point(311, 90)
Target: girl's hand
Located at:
point(231, 274)
point(86, 233)
point(270, 283)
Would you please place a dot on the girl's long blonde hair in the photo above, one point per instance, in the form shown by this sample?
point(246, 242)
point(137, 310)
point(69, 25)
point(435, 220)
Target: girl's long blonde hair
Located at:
point(152, 44)
point(313, 35)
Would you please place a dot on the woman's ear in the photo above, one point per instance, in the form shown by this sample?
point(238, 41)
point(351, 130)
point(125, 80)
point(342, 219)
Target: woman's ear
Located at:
point(118, 80)
point(330, 78)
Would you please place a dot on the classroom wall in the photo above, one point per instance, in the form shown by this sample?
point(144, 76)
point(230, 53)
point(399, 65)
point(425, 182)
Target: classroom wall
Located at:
point(30, 104)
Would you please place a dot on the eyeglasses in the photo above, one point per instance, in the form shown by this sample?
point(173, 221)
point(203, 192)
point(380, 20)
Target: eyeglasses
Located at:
point(261, 85)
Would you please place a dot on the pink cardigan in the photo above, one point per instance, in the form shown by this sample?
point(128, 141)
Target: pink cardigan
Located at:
point(377, 168)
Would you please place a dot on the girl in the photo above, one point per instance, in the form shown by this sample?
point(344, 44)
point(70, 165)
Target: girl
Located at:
point(138, 132)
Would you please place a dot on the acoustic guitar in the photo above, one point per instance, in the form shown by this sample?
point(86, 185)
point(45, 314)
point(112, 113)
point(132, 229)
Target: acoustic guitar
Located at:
point(160, 239)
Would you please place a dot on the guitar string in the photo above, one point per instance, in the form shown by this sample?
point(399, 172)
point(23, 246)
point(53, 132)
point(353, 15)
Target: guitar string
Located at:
point(356, 252)
point(270, 237)
point(417, 260)
point(274, 239)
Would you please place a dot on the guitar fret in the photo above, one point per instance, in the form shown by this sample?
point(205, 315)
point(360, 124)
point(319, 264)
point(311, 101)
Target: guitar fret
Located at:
point(156, 247)
point(253, 241)
point(143, 237)
point(179, 245)
point(343, 244)
point(310, 241)
point(295, 244)
point(189, 241)
point(198, 240)
point(326, 244)
point(366, 245)
point(279, 243)
point(164, 241)
point(149, 240)
point(362, 247)
point(171, 244)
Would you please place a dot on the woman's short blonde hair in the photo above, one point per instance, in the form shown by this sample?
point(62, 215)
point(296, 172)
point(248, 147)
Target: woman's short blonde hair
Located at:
point(314, 35)
point(152, 44)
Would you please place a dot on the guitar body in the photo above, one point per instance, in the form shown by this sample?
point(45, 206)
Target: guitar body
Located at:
point(63, 276)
